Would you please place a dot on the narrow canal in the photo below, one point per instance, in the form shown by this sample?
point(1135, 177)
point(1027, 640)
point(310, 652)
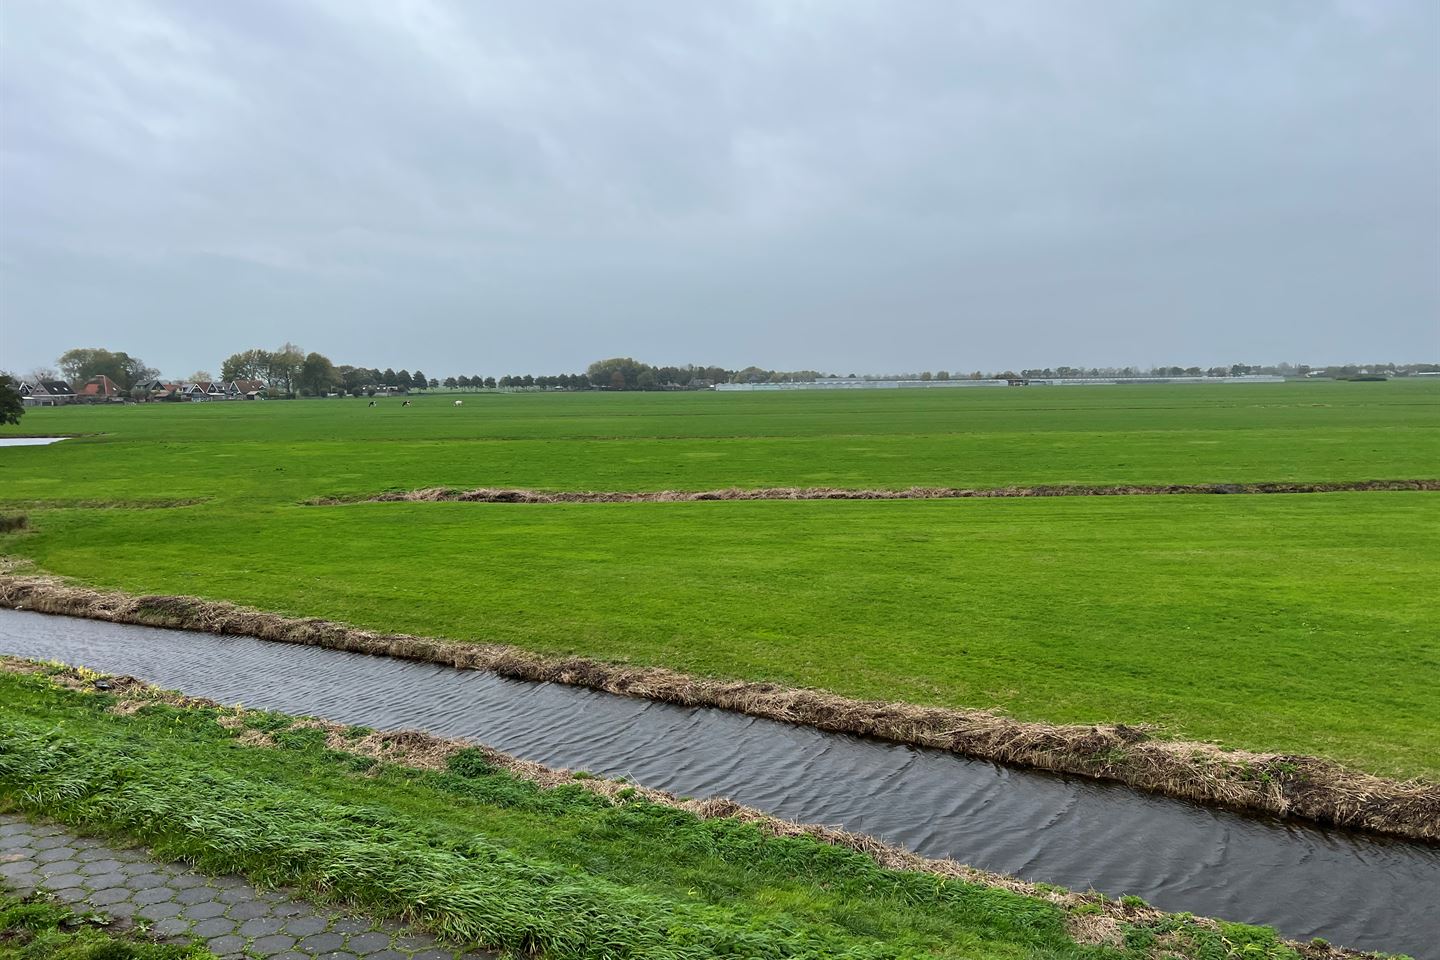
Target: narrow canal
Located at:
point(1351, 889)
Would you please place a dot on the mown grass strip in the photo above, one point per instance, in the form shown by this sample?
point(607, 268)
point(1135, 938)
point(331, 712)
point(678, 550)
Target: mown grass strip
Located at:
point(482, 856)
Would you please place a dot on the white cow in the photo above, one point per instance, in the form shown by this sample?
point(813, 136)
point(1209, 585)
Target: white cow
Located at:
point(459, 402)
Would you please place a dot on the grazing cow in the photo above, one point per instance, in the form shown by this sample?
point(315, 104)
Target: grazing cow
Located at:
point(459, 402)
point(405, 404)
point(372, 403)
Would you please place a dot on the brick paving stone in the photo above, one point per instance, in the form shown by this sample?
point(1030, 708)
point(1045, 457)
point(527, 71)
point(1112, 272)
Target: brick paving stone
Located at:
point(144, 881)
point(58, 867)
point(248, 910)
point(367, 942)
point(101, 881)
point(159, 911)
point(221, 946)
point(153, 895)
point(260, 926)
point(199, 894)
point(204, 910)
point(215, 927)
point(70, 895)
point(57, 855)
point(305, 926)
point(271, 945)
point(321, 943)
point(101, 865)
point(64, 881)
point(105, 896)
point(173, 927)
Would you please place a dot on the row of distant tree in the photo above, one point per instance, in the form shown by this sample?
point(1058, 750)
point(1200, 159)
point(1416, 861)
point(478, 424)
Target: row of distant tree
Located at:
point(289, 371)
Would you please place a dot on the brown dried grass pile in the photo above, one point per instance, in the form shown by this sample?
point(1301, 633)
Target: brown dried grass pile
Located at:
point(496, 495)
point(1103, 923)
point(1305, 788)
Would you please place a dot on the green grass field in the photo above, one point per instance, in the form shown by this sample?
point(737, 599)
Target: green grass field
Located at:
point(1297, 623)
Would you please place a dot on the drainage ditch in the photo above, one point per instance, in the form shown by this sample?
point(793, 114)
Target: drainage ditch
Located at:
point(1352, 889)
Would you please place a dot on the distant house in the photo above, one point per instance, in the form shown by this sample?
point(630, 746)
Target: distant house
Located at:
point(162, 391)
point(245, 390)
point(46, 393)
point(100, 389)
point(202, 391)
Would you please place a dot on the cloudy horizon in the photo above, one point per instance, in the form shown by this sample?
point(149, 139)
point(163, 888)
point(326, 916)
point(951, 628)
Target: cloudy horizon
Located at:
point(488, 187)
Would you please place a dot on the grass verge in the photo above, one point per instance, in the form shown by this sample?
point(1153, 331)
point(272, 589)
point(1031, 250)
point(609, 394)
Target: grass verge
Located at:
point(489, 851)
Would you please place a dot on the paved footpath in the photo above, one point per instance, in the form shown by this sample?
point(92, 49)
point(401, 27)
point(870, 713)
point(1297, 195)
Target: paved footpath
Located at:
point(229, 915)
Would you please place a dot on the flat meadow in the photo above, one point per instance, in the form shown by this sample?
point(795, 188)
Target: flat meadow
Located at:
point(1298, 623)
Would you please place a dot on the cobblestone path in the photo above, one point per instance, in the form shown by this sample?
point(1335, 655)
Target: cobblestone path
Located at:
point(231, 917)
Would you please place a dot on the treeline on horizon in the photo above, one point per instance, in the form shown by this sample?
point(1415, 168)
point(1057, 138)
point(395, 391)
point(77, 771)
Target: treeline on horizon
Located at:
point(290, 371)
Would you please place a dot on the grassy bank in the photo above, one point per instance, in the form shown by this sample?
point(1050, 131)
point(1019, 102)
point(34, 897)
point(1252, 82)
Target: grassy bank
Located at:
point(485, 856)
point(1297, 624)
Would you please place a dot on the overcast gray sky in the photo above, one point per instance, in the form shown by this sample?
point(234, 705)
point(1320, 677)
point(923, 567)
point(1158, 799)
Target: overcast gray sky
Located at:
point(484, 187)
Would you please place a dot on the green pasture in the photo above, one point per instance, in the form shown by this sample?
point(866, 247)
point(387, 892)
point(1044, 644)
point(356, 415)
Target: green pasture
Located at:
point(277, 451)
point(1299, 623)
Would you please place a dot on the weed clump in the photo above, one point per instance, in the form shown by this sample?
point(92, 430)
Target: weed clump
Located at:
point(37, 928)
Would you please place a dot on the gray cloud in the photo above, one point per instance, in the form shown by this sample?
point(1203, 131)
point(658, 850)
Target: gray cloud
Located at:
point(467, 186)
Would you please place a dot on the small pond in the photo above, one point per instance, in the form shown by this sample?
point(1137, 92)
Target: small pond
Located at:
point(29, 441)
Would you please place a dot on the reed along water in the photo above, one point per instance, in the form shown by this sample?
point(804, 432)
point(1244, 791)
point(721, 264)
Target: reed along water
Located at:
point(1351, 889)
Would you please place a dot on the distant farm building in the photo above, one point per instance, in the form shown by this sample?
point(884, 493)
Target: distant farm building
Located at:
point(46, 393)
point(245, 390)
point(100, 389)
